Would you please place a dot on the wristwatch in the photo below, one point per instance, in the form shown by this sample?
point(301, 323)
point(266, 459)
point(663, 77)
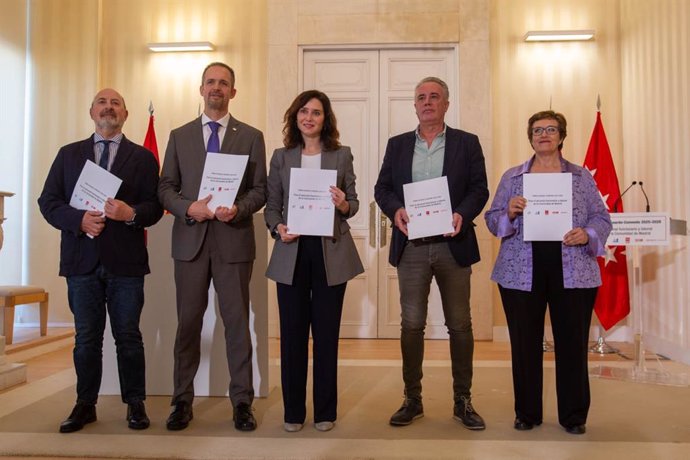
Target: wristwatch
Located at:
point(189, 220)
point(131, 221)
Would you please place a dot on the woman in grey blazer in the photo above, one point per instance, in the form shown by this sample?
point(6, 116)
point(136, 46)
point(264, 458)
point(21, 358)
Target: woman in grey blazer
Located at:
point(311, 272)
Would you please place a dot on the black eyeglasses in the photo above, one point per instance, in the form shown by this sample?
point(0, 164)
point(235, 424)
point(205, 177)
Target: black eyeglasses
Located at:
point(548, 129)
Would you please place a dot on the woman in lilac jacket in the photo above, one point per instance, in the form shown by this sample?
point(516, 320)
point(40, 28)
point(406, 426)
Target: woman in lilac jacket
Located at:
point(563, 274)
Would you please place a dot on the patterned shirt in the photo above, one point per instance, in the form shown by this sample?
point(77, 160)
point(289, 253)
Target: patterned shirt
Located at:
point(513, 268)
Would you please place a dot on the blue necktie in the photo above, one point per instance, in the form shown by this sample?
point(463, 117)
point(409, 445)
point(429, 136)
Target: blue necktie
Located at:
point(105, 156)
point(213, 140)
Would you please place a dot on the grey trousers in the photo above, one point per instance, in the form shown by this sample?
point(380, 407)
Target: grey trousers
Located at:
point(231, 282)
point(420, 263)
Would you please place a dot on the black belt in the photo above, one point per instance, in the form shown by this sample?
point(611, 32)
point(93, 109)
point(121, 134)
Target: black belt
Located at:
point(429, 240)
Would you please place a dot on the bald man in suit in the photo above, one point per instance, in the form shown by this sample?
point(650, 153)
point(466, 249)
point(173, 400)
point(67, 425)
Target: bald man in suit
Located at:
point(103, 257)
point(213, 244)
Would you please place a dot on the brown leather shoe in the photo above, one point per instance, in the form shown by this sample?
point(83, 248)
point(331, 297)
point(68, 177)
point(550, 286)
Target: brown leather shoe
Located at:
point(80, 416)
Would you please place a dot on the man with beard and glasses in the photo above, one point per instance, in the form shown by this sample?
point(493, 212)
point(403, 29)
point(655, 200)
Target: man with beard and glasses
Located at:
point(104, 257)
point(213, 244)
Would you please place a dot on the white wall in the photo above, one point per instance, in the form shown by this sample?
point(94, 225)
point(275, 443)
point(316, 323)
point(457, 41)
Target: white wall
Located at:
point(567, 77)
point(655, 88)
point(12, 86)
point(638, 63)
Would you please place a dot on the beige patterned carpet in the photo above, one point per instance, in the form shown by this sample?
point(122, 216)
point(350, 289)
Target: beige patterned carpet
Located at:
point(627, 420)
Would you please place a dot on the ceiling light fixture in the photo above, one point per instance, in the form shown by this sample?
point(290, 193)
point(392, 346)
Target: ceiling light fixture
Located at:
point(180, 47)
point(558, 35)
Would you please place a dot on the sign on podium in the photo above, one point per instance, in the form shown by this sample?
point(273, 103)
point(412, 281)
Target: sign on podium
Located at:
point(637, 229)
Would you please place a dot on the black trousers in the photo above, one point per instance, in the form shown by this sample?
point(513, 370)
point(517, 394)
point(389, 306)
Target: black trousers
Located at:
point(570, 311)
point(309, 303)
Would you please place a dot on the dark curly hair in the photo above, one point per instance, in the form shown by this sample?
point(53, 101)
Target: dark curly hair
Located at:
point(548, 115)
point(292, 137)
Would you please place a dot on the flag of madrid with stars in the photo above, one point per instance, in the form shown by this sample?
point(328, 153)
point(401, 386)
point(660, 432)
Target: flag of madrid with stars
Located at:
point(613, 298)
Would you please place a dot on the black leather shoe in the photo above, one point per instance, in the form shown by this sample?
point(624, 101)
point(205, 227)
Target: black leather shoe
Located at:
point(243, 417)
point(464, 413)
point(80, 416)
point(521, 425)
point(180, 416)
point(136, 416)
point(576, 429)
point(411, 410)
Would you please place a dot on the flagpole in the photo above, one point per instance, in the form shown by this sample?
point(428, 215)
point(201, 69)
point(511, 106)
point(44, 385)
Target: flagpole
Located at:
point(601, 347)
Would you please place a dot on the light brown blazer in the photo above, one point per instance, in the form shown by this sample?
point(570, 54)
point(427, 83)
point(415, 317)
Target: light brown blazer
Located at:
point(339, 252)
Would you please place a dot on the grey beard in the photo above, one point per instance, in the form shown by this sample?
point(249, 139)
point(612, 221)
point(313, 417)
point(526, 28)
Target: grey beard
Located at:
point(109, 123)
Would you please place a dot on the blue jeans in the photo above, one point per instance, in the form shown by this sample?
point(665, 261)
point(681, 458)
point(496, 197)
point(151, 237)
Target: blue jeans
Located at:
point(420, 263)
point(123, 297)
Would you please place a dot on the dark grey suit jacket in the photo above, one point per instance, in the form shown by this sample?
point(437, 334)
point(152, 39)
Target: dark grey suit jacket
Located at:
point(339, 252)
point(179, 187)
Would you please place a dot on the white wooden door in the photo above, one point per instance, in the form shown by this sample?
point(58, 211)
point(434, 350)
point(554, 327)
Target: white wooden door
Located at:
point(372, 94)
point(401, 70)
point(350, 79)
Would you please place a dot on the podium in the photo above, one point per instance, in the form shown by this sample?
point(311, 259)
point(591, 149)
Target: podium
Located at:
point(159, 325)
point(635, 230)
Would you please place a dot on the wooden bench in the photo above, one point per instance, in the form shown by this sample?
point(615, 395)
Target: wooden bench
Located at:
point(11, 296)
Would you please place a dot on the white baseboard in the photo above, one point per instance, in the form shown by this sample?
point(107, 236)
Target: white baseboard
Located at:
point(500, 334)
point(617, 334)
point(36, 324)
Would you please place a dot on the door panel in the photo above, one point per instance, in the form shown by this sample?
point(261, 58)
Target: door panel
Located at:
point(401, 70)
point(350, 79)
point(372, 94)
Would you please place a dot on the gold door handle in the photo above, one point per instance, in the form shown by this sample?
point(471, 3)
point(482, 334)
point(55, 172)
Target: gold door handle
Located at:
point(383, 224)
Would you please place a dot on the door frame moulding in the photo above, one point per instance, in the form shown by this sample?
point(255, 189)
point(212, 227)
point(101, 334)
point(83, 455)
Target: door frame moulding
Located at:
point(301, 49)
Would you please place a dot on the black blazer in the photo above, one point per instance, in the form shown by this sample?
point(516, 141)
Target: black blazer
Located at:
point(120, 248)
point(463, 165)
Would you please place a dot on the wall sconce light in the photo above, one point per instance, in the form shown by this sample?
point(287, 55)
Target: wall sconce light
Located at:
point(180, 47)
point(558, 35)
